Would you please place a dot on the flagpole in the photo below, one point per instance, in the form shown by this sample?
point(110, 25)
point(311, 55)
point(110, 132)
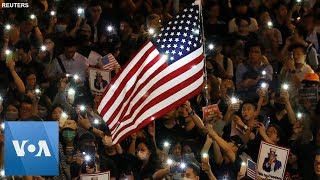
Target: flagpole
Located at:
point(205, 54)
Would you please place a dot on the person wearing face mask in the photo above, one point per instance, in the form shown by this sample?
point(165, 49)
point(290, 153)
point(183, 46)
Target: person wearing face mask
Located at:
point(11, 111)
point(68, 134)
point(283, 114)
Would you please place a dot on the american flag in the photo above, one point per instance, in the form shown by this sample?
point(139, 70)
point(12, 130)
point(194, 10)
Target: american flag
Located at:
point(108, 62)
point(251, 170)
point(164, 73)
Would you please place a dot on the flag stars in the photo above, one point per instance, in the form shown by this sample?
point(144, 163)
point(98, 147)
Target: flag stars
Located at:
point(188, 22)
point(180, 27)
point(167, 52)
point(169, 46)
point(189, 16)
point(191, 10)
point(183, 41)
point(189, 42)
point(173, 52)
point(194, 45)
point(172, 33)
point(180, 53)
point(158, 41)
point(170, 40)
point(186, 28)
point(164, 40)
point(175, 45)
point(185, 34)
point(163, 46)
point(165, 34)
point(188, 49)
point(181, 47)
point(178, 33)
point(171, 58)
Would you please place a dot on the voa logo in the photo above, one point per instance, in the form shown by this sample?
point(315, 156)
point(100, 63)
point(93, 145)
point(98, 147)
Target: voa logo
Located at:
point(40, 148)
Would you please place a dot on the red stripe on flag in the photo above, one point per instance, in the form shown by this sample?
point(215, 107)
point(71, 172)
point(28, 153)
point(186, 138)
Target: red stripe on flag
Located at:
point(119, 73)
point(130, 91)
point(160, 98)
point(163, 111)
point(170, 76)
point(128, 76)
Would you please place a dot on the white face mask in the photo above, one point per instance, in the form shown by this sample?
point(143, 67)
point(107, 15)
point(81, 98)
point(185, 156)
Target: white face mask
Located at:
point(185, 178)
point(142, 155)
point(301, 60)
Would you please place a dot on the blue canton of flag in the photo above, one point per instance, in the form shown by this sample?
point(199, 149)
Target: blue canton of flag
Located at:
point(181, 36)
point(104, 60)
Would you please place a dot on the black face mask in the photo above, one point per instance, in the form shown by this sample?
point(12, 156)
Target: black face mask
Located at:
point(279, 106)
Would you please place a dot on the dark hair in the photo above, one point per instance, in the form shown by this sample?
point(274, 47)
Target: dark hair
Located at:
point(153, 159)
point(25, 45)
point(194, 167)
point(69, 42)
point(253, 43)
point(301, 30)
point(239, 19)
point(53, 107)
point(249, 102)
point(279, 131)
point(278, 5)
point(298, 45)
point(94, 3)
point(310, 15)
point(26, 99)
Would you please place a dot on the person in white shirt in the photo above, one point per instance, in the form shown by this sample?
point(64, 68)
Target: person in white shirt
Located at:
point(296, 66)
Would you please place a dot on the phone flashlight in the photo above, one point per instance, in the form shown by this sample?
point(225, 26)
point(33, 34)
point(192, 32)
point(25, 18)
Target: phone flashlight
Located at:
point(183, 165)
point(205, 155)
point(82, 108)
point(151, 31)
point(8, 52)
point(169, 161)
point(264, 85)
point(80, 11)
point(211, 46)
point(285, 86)
point(32, 16)
point(109, 28)
point(270, 24)
point(299, 115)
point(234, 100)
point(37, 91)
point(43, 48)
point(166, 144)
point(52, 13)
point(87, 158)
point(8, 27)
point(96, 121)
point(76, 77)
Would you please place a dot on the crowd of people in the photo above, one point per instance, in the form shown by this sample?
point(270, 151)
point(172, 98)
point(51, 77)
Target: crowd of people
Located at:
point(261, 55)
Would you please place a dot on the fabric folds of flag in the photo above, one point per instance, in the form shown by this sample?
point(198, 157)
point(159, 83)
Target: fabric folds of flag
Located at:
point(165, 72)
point(251, 171)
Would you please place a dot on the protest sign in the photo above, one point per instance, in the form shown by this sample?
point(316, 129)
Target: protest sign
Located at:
point(272, 161)
point(94, 58)
point(99, 80)
point(310, 94)
point(96, 176)
point(208, 114)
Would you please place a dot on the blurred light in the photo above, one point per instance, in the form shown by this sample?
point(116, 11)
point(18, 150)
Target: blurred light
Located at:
point(285, 86)
point(67, 75)
point(64, 115)
point(2, 173)
point(166, 144)
point(109, 28)
point(234, 100)
point(243, 163)
point(8, 27)
point(169, 161)
point(299, 115)
point(298, 1)
point(211, 46)
point(43, 48)
point(205, 155)
point(151, 31)
point(52, 13)
point(264, 85)
point(84, 153)
point(8, 52)
point(96, 121)
point(264, 73)
point(37, 91)
point(87, 158)
point(76, 77)
point(71, 91)
point(196, 31)
point(82, 108)
point(270, 24)
point(80, 11)
point(1, 99)
point(183, 165)
point(32, 16)
point(2, 125)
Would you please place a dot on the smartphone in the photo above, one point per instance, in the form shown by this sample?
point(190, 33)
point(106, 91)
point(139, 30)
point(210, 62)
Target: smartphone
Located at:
point(266, 121)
